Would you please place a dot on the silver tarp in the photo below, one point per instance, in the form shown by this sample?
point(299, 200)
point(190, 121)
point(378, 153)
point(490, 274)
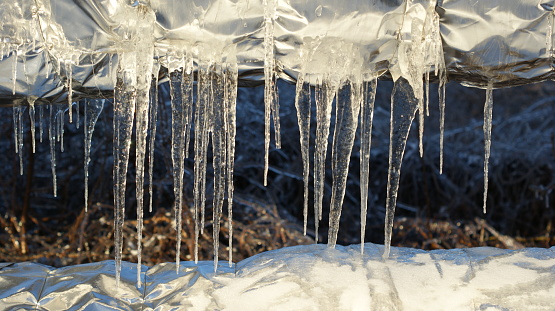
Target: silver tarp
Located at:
point(508, 42)
point(298, 278)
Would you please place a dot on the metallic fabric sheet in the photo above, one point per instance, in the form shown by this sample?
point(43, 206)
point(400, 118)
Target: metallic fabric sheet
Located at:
point(311, 277)
point(507, 41)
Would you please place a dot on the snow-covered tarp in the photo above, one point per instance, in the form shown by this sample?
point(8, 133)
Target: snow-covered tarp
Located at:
point(311, 277)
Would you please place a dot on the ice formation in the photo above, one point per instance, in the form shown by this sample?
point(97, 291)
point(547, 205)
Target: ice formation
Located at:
point(203, 75)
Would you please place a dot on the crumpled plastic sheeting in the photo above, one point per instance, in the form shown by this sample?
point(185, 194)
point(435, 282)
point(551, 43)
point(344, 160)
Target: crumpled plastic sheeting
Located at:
point(509, 42)
point(312, 277)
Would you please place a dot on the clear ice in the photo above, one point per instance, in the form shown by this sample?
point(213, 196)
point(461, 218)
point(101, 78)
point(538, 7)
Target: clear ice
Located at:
point(403, 109)
point(52, 140)
point(348, 103)
point(270, 100)
point(488, 111)
point(32, 120)
point(124, 111)
point(93, 108)
point(177, 151)
point(152, 132)
point(303, 105)
point(324, 95)
point(366, 119)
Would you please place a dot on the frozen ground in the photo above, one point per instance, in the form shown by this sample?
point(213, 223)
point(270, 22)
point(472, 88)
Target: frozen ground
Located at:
point(311, 277)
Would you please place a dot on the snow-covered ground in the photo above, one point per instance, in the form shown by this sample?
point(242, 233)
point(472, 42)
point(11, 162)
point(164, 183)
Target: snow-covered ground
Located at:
point(312, 277)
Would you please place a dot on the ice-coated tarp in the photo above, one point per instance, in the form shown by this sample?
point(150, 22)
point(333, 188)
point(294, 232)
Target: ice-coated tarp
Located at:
point(46, 42)
point(298, 278)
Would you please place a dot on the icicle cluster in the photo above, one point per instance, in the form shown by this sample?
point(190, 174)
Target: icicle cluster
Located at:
point(203, 88)
point(214, 120)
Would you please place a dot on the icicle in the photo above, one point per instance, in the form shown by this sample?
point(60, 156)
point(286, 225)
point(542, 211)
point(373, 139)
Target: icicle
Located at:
point(347, 107)
point(52, 139)
point(324, 99)
point(57, 124)
point(41, 129)
point(187, 89)
point(177, 151)
point(303, 106)
point(152, 131)
point(32, 120)
point(488, 110)
point(145, 54)
point(144, 76)
point(441, 91)
point(366, 119)
point(20, 137)
point(403, 108)
point(231, 98)
point(206, 134)
point(15, 113)
point(124, 109)
point(61, 126)
point(93, 107)
point(219, 150)
point(269, 76)
point(77, 117)
point(275, 114)
point(201, 145)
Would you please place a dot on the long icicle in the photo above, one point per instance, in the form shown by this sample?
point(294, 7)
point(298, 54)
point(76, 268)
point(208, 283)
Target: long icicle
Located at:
point(488, 111)
point(145, 54)
point(188, 91)
point(152, 133)
point(303, 106)
point(52, 140)
point(269, 76)
point(177, 151)
point(325, 92)
point(441, 91)
point(93, 108)
point(15, 113)
point(404, 105)
point(124, 110)
point(201, 144)
point(366, 120)
point(231, 99)
point(347, 106)
point(275, 114)
point(41, 127)
point(20, 137)
point(219, 150)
